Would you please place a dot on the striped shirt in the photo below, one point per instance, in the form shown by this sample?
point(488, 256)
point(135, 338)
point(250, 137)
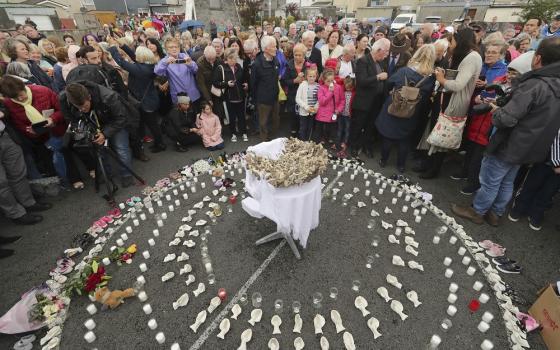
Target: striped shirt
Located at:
point(555, 151)
point(312, 90)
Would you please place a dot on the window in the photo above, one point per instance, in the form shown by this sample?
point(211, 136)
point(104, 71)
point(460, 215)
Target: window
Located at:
point(88, 3)
point(378, 3)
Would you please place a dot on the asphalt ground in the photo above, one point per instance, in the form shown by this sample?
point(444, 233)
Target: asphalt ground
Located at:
point(335, 256)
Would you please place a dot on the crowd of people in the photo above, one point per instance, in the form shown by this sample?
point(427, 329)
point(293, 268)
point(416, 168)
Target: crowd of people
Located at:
point(482, 89)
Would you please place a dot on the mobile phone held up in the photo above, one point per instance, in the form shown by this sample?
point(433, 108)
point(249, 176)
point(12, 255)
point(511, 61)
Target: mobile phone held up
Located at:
point(181, 60)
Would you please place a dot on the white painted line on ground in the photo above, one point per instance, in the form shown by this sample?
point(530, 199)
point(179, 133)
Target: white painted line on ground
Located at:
point(225, 311)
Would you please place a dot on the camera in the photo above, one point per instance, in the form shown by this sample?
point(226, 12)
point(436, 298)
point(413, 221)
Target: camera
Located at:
point(502, 98)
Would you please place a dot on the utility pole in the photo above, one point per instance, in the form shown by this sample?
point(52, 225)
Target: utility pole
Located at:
point(126, 8)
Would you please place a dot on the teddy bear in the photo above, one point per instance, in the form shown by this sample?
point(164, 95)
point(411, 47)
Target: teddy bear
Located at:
point(114, 298)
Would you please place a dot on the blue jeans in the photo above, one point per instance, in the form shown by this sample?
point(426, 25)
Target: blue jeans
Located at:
point(306, 126)
point(216, 148)
point(119, 143)
point(54, 144)
point(343, 132)
point(496, 186)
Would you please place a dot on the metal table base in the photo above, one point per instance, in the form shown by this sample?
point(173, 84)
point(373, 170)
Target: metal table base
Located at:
point(279, 235)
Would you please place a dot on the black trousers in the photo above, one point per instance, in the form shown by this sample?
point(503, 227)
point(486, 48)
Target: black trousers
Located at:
point(402, 150)
point(151, 120)
point(237, 123)
point(472, 163)
point(362, 128)
point(541, 184)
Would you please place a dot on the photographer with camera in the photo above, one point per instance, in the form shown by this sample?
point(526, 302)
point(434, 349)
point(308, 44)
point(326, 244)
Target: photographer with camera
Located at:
point(526, 127)
point(106, 116)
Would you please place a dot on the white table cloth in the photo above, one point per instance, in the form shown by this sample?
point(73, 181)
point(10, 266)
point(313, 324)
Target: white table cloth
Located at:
point(294, 209)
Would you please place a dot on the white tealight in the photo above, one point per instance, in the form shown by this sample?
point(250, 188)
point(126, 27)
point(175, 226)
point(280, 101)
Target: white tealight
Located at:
point(477, 286)
point(417, 219)
point(436, 240)
point(167, 197)
point(466, 260)
point(453, 287)
point(147, 309)
point(394, 201)
point(150, 210)
point(407, 197)
point(365, 177)
point(451, 310)
point(193, 189)
point(404, 208)
point(177, 202)
point(159, 203)
point(120, 242)
point(423, 211)
point(393, 189)
point(398, 231)
point(461, 251)
point(452, 239)
point(195, 179)
point(182, 187)
point(384, 185)
point(367, 193)
point(487, 317)
point(151, 241)
point(483, 326)
point(146, 254)
point(471, 270)
point(89, 324)
point(124, 236)
point(142, 296)
point(434, 342)
point(368, 183)
point(203, 184)
point(185, 196)
point(352, 176)
point(135, 222)
point(452, 298)
point(377, 182)
point(143, 267)
point(128, 229)
point(160, 337)
point(487, 345)
point(140, 279)
point(106, 261)
point(416, 212)
point(121, 205)
point(152, 324)
point(171, 208)
point(164, 216)
point(380, 191)
point(447, 261)
point(92, 309)
point(448, 273)
point(155, 232)
point(143, 216)
point(483, 298)
point(175, 192)
point(89, 337)
point(399, 194)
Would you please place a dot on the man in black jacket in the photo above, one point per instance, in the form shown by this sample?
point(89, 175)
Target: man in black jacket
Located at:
point(526, 127)
point(264, 88)
point(370, 86)
point(111, 114)
point(313, 54)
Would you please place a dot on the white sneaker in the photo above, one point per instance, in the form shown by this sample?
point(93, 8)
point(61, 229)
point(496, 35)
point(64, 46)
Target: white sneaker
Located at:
point(233, 138)
point(245, 138)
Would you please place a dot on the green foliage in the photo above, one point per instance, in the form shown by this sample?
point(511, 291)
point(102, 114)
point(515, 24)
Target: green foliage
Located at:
point(543, 9)
point(249, 11)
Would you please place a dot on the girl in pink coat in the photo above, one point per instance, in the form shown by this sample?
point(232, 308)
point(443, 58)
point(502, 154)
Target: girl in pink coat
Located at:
point(331, 103)
point(209, 128)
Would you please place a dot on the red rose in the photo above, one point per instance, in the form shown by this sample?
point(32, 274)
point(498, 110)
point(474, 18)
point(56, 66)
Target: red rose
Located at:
point(94, 279)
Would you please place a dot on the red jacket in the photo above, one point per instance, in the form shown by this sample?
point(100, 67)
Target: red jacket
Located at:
point(481, 124)
point(43, 99)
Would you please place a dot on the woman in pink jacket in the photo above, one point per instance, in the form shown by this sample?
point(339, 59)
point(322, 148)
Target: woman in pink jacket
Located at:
point(209, 128)
point(331, 103)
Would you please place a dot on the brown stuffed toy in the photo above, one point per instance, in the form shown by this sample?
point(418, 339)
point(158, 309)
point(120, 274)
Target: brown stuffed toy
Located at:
point(114, 298)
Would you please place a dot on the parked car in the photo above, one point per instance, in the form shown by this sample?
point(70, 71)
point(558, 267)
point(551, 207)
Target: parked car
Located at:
point(401, 21)
point(347, 21)
point(436, 20)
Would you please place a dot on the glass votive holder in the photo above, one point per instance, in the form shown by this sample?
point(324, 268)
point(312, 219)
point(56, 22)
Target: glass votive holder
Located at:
point(333, 292)
point(356, 284)
point(317, 299)
point(278, 306)
point(296, 306)
point(211, 279)
point(243, 299)
point(353, 210)
point(446, 324)
point(256, 300)
point(369, 261)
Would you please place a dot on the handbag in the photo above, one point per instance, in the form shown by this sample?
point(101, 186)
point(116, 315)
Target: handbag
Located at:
point(216, 91)
point(405, 99)
point(448, 131)
point(281, 93)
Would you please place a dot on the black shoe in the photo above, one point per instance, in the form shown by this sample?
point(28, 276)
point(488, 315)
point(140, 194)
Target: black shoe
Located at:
point(382, 163)
point(430, 174)
point(514, 216)
point(141, 156)
point(127, 181)
point(156, 148)
point(535, 225)
point(38, 206)
point(28, 219)
point(458, 176)
point(468, 190)
point(9, 240)
point(180, 148)
point(369, 153)
point(502, 260)
point(509, 268)
point(4, 253)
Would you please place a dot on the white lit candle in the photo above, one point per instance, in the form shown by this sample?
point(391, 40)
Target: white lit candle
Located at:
point(143, 267)
point(477, 286)
point(436, 240)
point(140, 279)
point(367, 193)
point(466, 260)
point(147, 309)
point(106, 261)
point(159, 203)
point(404, 208)
point(417, 219)
point(453, 287)
point(89, 324)
point(128, 229)
point(151, 241)
point(171, 208)
point(487, 317)
point(407, 197)
point(368, 183)
point(448, 273)
point(487, 345)
point(423, 211)
point(121, 205)
point(380, 191)
point(164, 216)
point(150, 210)
point(135, 222)
point(203, 184)
point(124, 236)
point(160, 337)
point(483, 326)
point(89, 337)
point(143, 216)
point(452, 239)
point(394, 201)
point(452, 298)
point(416, 212)
point(175, 192)
point(152, 324)
point(177, 202)
point(193, 189)
point(146, 254)
point(451, 310)
point(92, 309)
point(462, 251)
point(142, 296)
point(120, 242)
point(167, 197)
point(155, 232)
point(471, 270)
point(483, 298)
point(447, 261)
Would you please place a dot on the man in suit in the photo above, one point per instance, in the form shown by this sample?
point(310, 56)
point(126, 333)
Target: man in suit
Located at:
point(313, 54)
point(370, 86)
point(399, 55)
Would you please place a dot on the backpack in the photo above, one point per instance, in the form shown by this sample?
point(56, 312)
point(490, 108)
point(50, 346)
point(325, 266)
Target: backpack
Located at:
point(405, 99)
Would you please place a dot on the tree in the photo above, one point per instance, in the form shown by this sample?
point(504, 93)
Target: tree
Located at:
point(248, 11)
point(292, 9)
point(543, 9)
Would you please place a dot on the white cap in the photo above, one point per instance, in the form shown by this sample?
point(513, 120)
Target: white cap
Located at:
point(450, 29)
point(522, 64)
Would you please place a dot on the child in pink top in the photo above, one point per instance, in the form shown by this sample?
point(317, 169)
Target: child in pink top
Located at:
point(209, 128)
point(331, 103)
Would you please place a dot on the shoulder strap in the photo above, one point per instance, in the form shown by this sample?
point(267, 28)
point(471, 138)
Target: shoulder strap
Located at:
point(421, 81)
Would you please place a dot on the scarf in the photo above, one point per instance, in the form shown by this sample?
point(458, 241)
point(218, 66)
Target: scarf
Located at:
point(31, 112)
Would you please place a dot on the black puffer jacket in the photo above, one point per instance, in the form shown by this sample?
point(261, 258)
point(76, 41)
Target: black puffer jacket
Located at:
point(264, 80)
point(529, 122)
point(113, 111)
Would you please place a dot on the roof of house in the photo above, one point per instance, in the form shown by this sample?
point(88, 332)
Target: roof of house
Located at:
point(48, 3)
